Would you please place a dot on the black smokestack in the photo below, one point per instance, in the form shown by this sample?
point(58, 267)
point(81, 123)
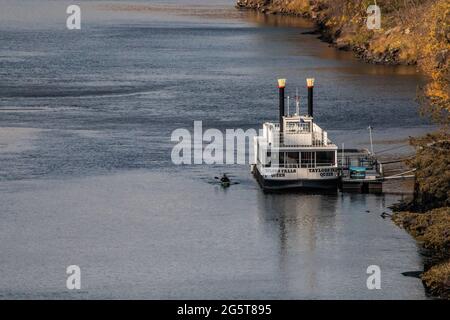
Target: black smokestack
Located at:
point(281, 86)
point(310, 83)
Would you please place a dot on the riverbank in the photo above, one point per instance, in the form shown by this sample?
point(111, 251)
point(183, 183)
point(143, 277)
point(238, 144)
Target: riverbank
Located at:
point(427, 216)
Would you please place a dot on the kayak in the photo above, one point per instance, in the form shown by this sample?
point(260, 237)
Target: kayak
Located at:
point(225, 184)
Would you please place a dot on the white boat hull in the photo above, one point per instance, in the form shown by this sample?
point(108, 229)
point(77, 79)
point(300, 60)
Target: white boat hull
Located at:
point(283, 179)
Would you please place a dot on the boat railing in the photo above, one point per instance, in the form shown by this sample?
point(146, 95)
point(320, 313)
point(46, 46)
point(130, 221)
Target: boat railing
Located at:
point(301, 166)
point(316, 142)
point(319, 137)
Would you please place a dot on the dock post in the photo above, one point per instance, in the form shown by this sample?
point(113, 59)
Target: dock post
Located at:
point(371, 141)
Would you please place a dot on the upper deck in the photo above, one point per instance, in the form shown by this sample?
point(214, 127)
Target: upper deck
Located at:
point(298, 132)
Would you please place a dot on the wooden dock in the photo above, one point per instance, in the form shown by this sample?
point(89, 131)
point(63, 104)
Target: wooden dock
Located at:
point(362, 172)
point(361, 185)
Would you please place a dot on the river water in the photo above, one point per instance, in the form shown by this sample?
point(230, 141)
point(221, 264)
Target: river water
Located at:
point(86, 176)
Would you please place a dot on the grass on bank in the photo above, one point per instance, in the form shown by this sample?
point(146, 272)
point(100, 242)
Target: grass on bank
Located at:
point(437, 280)
point(431, 229)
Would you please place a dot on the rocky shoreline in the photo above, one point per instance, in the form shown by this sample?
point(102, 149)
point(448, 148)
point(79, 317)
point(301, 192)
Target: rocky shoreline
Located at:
point(427, 216)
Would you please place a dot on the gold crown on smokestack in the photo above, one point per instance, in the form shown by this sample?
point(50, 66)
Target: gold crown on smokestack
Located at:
point(310, 82)
point(281, 83)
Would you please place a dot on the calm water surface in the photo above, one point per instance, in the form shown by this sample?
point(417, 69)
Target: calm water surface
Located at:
point(85, 170)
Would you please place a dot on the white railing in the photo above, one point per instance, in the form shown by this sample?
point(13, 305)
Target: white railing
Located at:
point(302, 166)
point(319, 137)
point(314, 143)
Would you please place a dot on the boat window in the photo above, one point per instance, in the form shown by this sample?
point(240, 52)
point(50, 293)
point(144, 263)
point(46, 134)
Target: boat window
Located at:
point(292, 159)
point(297, 127)
point(258, 160)
point(307, 159)
point(325, 158)
point(305, 127)
point(281, 159)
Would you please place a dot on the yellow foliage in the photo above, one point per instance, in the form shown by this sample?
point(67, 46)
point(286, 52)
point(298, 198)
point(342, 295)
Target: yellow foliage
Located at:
point(435, 62)
point(298, 6)
point(432, 229)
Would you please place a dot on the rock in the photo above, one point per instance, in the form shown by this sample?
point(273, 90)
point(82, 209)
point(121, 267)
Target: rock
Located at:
point(414, 274)
point(441, 58)
point(311, 32)
point(341, 44)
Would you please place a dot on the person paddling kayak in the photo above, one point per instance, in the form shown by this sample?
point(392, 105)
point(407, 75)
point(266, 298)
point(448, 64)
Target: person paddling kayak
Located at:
point(225, 179)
